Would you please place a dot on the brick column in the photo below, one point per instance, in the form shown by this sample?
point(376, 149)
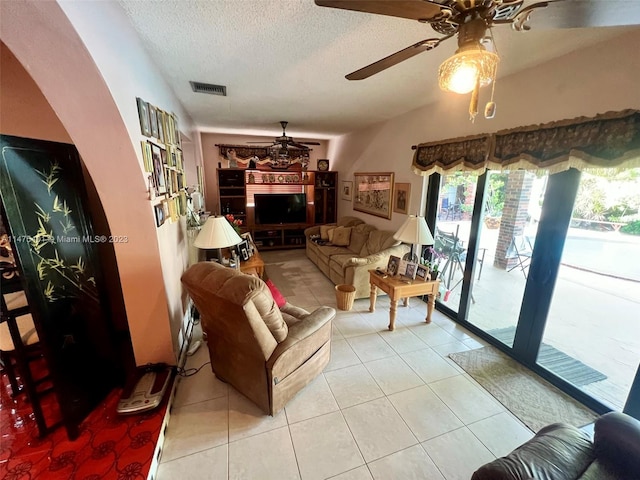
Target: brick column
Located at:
point(514, 215)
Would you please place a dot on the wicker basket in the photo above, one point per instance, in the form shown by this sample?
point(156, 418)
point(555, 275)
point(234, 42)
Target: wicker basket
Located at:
point(345, 295)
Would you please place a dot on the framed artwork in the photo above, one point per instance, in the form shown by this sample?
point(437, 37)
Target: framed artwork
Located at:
point(401, 194)
point(393, 265)
point(410, 271)
point(153, 118)
point(146, 156)
point(158, 170)
point(159, 212)
point(143, 115)
point(422, 272)
point(372, 193)
point(161, 126)
point(347, 189)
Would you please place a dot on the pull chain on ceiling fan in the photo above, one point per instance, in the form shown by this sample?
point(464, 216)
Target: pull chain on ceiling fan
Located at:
point(473, 66)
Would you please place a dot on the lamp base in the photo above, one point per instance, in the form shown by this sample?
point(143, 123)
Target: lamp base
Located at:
point(410, 257)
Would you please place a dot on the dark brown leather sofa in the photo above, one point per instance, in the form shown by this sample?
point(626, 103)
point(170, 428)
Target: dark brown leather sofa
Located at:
point(563, 452)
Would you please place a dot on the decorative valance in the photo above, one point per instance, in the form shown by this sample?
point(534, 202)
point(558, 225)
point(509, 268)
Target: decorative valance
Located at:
point(608, 140)
point(244, 152)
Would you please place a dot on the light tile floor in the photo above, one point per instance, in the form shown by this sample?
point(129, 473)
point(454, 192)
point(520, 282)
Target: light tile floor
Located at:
point(389, 405)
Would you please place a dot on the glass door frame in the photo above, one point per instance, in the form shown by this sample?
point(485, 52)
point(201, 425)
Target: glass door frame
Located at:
point(555, 218)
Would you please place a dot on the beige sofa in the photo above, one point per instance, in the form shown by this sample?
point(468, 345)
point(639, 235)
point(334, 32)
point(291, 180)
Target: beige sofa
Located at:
point(348, 259)
point(267, 353)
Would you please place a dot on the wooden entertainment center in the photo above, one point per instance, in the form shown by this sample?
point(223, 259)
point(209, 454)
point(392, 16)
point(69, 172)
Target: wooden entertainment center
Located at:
point(237, 187)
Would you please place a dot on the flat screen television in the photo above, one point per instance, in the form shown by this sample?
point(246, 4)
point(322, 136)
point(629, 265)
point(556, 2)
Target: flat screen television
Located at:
point(280, 208)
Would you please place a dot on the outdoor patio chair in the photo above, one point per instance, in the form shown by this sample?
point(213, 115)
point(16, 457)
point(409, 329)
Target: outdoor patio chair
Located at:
point(520, 249)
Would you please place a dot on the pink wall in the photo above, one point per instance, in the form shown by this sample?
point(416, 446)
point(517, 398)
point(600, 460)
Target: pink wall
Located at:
point(24, 112)
point(43, 40)
point(210, 155)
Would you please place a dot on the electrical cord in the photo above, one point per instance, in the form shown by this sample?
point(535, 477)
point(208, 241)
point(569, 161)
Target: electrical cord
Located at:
point(188, 372)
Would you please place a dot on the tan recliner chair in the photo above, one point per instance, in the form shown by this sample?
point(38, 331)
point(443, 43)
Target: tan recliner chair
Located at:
point(268, 354)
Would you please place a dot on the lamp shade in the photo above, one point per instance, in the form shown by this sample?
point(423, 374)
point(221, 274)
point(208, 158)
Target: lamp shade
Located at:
point(414, 231)
point(217, 232)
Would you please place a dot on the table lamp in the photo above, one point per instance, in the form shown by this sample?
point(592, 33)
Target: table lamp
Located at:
point(217, 233)
point(414, 231)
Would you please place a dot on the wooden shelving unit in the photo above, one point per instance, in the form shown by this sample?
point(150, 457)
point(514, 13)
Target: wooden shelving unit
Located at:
point(236, 187)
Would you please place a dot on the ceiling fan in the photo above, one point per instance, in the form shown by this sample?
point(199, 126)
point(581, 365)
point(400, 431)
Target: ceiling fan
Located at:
point(473, 65)
point(284, 142)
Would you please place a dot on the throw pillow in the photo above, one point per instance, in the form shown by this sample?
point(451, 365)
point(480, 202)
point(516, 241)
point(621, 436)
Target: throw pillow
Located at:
point(331, 232)
point(275, 293)
point(324, 231)
point(342, 236)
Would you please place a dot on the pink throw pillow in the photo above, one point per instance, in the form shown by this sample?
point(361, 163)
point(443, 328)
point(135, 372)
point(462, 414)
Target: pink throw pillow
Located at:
point(275, 293)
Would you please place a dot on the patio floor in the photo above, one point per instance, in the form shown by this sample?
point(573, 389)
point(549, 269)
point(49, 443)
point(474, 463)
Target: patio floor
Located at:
point(593, 316)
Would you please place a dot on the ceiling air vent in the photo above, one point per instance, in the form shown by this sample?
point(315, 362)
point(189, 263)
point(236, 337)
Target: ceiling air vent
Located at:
point(209, 88)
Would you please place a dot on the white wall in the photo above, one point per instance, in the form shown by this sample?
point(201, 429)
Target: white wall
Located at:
point(601, 78)
point(129, 73)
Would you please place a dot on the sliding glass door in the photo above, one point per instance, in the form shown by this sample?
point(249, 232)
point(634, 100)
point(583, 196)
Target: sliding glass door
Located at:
point(592, 334)
point(556, 288)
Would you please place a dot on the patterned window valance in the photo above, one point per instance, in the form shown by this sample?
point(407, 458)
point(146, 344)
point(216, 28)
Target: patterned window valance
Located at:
point(607, 140)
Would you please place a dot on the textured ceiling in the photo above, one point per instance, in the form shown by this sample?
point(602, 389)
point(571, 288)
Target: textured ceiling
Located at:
point(286, 60)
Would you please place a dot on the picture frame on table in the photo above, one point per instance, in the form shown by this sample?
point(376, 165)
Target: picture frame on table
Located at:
point(410, 271)
point(422, 273)
point(252, 246)
point(393, 265)
point(347, 190)
point(401, 197)
point(373, 193)
point(143, 115)
point(242, 249)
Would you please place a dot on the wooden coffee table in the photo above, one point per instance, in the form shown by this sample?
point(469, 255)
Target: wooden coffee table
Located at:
point(254, 263)
point(397, 288)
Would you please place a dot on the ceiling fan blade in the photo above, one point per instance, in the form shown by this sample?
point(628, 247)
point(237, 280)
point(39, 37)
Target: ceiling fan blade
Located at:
point(309, 143)
point(578, 14)
point(413, 9)
point(260, 142)
point(395, 58)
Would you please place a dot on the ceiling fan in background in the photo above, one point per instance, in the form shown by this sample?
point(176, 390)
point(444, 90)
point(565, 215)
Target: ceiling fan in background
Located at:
point(284, 141)
point(285, 150)
point(475, 62)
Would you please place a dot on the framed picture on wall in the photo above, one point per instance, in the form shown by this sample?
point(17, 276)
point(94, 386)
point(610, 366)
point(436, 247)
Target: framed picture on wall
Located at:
point(347, 190)
point(401, 194)
point(153, 120)
point(158, 170)
point(159, 211)
point(372, 193)
point(143, 115)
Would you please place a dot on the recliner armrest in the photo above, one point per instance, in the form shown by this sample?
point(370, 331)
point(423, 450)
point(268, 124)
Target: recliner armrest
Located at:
point(304, 338)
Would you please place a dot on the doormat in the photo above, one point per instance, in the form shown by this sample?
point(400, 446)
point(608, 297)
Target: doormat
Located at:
point(558, 362)
point(532, 399)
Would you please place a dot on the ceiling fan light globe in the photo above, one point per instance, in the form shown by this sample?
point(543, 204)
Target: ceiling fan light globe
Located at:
point(463, 79)
point(460, 72)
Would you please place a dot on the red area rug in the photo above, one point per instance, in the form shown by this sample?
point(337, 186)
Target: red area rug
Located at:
point(110, 446)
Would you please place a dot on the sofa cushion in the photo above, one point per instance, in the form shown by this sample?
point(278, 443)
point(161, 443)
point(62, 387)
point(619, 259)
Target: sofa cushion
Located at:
point(378, 240)
point(359, 235)
point(324, 231)
point(330, 232)
point(338, 262)
point(342, 236)
point(327, 251)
